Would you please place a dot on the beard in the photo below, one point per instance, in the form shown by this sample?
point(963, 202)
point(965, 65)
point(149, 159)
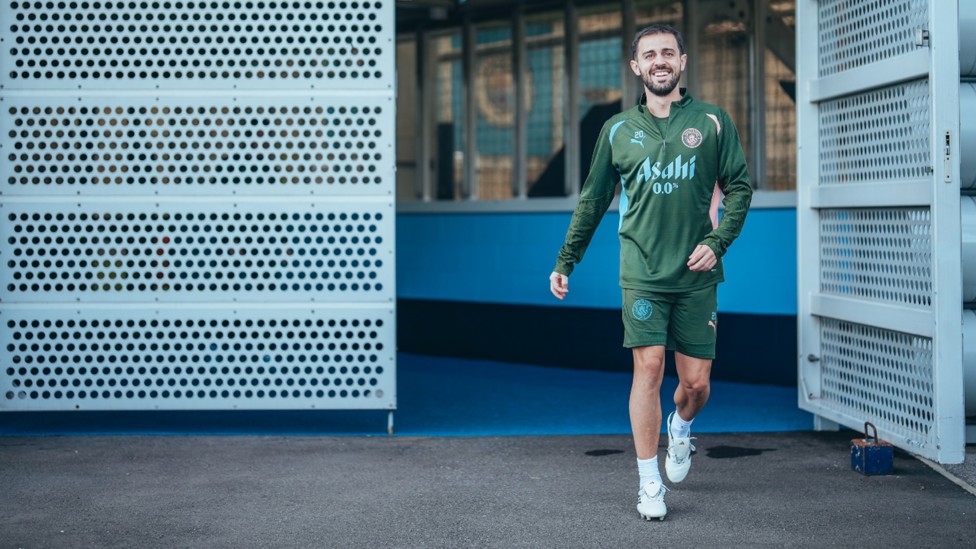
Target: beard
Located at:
point(663, 89)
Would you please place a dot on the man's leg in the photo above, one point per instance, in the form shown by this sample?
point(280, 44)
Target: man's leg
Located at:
point(645, 421)
point(645, 399)
point(693, 385)
point(689, 398)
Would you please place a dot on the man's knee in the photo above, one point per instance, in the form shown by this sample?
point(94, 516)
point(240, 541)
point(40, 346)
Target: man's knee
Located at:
point(694, 374)
point(696, 386)
point(649, 361)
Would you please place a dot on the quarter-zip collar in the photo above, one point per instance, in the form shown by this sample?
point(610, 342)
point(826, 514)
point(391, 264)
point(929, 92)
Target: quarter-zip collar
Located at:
point(685, 100)
point(680, 104)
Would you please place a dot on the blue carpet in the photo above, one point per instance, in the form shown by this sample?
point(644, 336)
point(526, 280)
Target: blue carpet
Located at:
point(452, 397)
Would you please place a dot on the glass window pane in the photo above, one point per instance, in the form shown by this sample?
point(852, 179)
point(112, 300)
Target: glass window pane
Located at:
point(600, 61)
point(407, 120)
point(448, 157)
point(600, 70)
point(723, 70)
point(545, 169)
point(780, 126)
point(780, 97)
point(494, 91)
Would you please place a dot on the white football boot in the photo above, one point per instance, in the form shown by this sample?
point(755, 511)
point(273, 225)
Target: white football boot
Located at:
point(678, 462)
point(650, 501)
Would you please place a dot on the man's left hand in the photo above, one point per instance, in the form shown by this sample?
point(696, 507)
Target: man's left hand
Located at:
point(702, 259)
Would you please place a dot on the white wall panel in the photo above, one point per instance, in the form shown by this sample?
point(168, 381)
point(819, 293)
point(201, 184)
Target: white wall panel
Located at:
point(879, 135)
point(181, 45)
point(194, 144)
point(194, 357)
point(855, 33)
point(242, 250)
point(882, 375)
point(196, 205)
point(880, 254)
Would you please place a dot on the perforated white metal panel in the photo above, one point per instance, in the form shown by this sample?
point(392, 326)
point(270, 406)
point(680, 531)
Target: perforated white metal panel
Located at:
point(878, 212)
point(196, 205)
point(98, 358)
point(880, 135)
point(139, 145)
point(882, 375)
point(243, 250)
point(183, 45)
point(853, 33)
point(881, 254)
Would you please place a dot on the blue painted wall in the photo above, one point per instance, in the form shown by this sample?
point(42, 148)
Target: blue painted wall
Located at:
point(506, 258)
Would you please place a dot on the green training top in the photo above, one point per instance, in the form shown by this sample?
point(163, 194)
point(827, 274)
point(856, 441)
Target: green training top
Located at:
point(667, 180)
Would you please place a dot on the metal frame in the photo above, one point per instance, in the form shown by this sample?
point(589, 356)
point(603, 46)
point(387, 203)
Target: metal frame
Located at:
point(572, 104)
point(469, 64)
point(757, 99)
point(520, 66)
point(936, 324)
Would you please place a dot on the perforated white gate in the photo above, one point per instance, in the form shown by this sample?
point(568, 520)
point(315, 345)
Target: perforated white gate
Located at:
point(878, 208)
point(196, 205)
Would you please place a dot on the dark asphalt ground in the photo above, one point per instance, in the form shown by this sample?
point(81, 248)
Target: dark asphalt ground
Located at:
point(793, 489)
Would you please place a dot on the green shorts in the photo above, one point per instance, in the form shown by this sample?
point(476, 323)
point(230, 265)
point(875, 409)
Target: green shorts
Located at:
point(686, 322)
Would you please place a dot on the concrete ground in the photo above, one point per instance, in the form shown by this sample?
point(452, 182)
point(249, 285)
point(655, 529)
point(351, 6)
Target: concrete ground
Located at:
point(793, 489)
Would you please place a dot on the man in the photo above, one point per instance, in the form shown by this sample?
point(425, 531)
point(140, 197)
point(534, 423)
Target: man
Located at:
point(668, 153)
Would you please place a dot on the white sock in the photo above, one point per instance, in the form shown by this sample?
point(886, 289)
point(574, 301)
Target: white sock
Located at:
point(680, 427)
point(648, 471)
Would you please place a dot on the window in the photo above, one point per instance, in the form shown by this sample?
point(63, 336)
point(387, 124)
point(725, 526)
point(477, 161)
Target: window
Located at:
point(494, 105)
point(448, 149)
point(407, 124)
point(462, 135)
point(545, 128)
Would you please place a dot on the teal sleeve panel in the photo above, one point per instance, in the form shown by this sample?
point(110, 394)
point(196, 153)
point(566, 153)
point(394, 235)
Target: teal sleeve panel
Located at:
point(733, 179)
point(595, 198)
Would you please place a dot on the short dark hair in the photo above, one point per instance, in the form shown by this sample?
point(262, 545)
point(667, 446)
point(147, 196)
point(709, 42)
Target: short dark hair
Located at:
point(657, 28)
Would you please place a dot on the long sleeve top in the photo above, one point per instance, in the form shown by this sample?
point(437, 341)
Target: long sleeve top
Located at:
point(668, 169)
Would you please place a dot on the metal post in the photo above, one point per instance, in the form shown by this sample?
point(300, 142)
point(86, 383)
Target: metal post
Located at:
point(520, 69)
point(757, 99)
point(628, 27)
point(692, 37)
point(469, 186)
point(807, 218)
point(425, 114)
point(946, 224)
point(571, 115)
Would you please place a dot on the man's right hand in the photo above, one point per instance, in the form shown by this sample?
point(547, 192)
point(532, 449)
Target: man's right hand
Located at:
point(558, 285)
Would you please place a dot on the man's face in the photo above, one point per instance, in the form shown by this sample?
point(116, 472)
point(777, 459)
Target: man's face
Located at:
point(659, 63)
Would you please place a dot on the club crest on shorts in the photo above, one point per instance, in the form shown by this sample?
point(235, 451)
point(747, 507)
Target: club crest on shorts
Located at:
point(691, 138)
point(642, 309)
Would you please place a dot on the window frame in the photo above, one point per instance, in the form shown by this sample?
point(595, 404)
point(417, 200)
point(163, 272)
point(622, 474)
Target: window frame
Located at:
point(425, 199)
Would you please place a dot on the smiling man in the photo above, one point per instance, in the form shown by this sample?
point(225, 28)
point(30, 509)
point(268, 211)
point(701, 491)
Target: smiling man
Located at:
point(670, 154)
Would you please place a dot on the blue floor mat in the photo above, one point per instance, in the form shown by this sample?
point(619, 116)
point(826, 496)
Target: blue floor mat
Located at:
point(439, 396)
